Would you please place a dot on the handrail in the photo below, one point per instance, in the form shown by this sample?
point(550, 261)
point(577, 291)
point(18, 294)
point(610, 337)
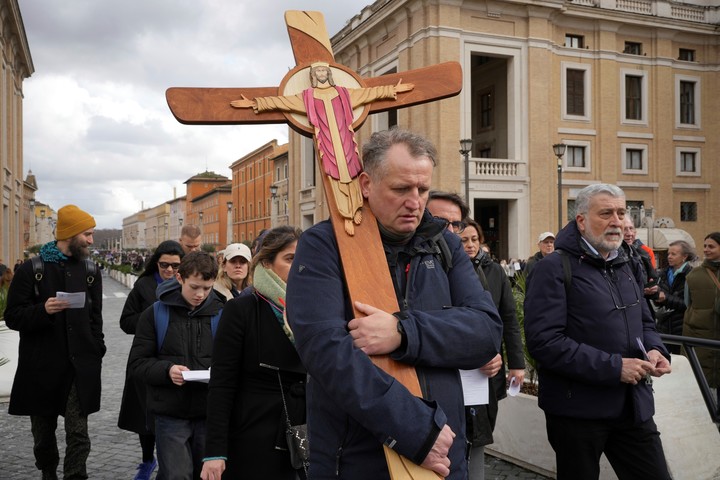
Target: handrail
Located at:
point(689, 344)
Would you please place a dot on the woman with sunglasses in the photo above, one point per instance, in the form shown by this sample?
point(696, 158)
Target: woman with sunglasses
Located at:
point(161, 266)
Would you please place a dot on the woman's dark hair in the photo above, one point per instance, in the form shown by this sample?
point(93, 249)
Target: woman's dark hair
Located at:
point(715, 236)
point(168, 247)
point(472, 223)
point(273, 242)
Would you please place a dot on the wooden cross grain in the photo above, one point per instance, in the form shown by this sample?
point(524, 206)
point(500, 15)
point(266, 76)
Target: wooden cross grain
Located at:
point(361, 252)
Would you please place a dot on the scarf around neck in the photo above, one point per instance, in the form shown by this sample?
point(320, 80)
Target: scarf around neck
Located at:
point(50, 253)
point(271, 289)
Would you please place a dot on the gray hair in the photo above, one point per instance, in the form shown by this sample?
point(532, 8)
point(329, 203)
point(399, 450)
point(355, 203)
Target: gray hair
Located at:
point(582, 201)
point(374, 152)
point(685, 249)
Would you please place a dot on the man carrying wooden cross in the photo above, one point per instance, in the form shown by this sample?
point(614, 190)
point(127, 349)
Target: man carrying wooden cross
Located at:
point(445, 323)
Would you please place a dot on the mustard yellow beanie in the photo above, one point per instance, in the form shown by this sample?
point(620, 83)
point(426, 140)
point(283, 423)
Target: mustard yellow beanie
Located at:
point(72, 221)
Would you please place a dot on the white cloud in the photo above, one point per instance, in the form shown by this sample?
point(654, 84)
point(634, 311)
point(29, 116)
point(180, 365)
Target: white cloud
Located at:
point(97, 128)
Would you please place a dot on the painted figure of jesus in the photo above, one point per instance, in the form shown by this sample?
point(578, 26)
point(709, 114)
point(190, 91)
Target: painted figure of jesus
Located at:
point(329, 109)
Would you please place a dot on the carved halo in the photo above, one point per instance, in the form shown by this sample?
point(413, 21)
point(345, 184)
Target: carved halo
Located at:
point(298, 79)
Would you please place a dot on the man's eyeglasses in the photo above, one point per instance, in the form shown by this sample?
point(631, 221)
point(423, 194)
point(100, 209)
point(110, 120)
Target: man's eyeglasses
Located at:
point(166, 265)
point(457, 226)
point(622, 304)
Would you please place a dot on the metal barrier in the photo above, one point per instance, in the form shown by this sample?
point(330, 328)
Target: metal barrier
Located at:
point(689, 344)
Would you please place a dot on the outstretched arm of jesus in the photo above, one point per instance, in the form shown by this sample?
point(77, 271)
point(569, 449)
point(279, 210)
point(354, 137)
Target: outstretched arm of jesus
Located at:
point(291, 103)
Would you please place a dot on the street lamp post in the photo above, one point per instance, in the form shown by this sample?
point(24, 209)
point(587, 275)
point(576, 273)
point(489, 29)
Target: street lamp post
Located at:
point(465, 148)
point(229, 222)
point(559, 150)
point(273, 196)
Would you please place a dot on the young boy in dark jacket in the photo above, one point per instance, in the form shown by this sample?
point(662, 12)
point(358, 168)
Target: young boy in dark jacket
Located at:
point(185, 310)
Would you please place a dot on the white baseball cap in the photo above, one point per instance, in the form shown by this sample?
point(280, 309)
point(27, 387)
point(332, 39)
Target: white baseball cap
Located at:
point(235, 249)
point(545, 235)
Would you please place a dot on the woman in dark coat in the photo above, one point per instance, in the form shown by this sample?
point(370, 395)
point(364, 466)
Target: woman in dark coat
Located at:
point(480, 420)
point(253, 350)
point(671, 295)
point(160, 267)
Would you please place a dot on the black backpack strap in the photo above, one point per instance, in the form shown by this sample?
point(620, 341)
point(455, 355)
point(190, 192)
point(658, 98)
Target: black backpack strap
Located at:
point(567, 271)
point(90, 272)
point(38, 271)
point(441, 249)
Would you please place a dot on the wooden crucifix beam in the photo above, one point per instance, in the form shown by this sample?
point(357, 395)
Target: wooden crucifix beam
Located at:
point(326, 111)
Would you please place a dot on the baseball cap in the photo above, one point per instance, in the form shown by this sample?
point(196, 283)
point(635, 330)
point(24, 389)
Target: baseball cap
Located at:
point(545, 235)
point(235, 249)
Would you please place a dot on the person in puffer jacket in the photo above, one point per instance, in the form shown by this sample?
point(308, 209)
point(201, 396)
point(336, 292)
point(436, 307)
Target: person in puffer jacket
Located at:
point(446, 322)
point(596, 346)
point(179, 407)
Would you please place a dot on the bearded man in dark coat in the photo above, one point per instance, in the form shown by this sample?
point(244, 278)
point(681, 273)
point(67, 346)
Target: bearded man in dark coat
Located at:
point(61, 345)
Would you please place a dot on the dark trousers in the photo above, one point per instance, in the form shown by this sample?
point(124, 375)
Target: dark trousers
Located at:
point(180, 446)
point(77, 441)
point(634, 451)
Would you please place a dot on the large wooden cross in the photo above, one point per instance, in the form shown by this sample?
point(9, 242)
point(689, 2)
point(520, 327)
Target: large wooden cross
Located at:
point(361, 251)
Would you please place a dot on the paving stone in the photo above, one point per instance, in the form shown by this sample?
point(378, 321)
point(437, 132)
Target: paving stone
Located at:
point(115, 453)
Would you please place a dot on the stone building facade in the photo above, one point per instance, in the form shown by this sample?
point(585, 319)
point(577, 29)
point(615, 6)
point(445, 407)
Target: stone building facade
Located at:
point(627, 85)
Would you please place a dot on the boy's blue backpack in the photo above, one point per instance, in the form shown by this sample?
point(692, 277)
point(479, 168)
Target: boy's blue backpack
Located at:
point(162, 319)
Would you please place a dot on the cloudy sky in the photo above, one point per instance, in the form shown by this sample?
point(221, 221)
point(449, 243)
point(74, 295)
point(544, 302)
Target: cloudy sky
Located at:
point(98, 132)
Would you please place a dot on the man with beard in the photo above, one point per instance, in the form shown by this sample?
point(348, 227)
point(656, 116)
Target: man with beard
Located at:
point(596, 346)
point(61, 346)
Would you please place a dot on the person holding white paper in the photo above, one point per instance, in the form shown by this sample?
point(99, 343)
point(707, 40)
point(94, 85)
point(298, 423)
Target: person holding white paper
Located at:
point(61, 348)
point(185, 310)
point(481, 411)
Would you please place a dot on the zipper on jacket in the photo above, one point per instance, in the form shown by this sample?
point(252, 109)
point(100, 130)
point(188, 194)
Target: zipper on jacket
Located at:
point(338, 454)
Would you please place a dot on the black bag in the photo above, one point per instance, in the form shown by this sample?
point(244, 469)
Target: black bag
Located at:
point(298, 446)
point(297, 439)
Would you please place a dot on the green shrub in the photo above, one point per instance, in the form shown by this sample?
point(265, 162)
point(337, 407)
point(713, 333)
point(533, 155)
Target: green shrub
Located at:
point(519, 294)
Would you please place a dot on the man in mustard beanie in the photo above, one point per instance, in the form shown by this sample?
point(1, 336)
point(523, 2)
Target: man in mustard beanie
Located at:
point(65, 378)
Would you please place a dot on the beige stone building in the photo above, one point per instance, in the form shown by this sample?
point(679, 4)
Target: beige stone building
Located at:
point(15, 66)
point(629, 86)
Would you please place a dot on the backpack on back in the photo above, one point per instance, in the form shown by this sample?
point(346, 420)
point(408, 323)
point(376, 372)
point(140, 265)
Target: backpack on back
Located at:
point(39, 270)
point(162, 320)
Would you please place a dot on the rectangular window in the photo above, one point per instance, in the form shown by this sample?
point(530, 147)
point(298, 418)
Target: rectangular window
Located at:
point(483, 110)
point(571, 210)
point(633, 159)
point(633, 48)
point(688, 211)
point(575, 156)
point(574, 41)
point(575, 91)
point(687, 102)
point(633, 97)
point(686, 55)
point(486, 110)
point(687, 162)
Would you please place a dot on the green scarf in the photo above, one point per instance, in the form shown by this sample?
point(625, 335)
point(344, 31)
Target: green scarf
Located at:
point(271, 288)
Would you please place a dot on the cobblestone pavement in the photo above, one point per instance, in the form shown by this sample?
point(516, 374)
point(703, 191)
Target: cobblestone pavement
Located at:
point(115, 453)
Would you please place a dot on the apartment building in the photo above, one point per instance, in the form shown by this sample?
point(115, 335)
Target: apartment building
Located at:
point(628, 86)
point(16, 217)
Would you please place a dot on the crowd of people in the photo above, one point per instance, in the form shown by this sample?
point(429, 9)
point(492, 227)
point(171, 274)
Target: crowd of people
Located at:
point(230, 351)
